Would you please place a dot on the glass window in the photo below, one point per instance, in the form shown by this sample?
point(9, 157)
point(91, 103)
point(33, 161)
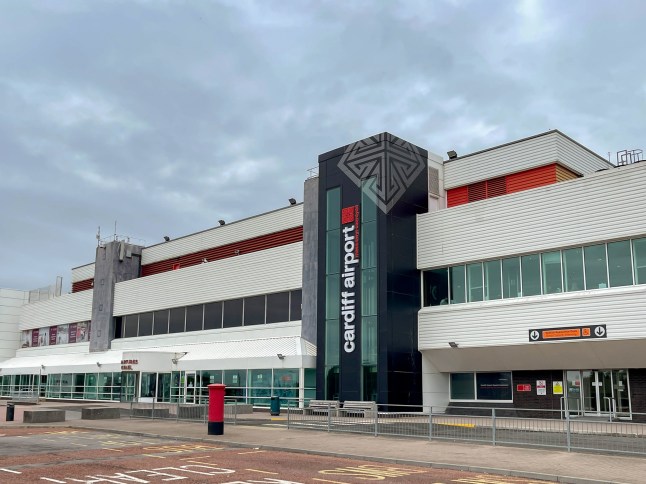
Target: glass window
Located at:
point(277, 307)
point(254, 310)
point(369, 245)
point(573, 269)
point(232, 313)
point(161, 322)
point(332, 296)
point(462, 386)
point(286, 383)
point(458, 284)
point(295, 305)
point(213, 315)
point(194, 316)
point(236, 382)
point(176, 322)
point(145, 324)
point(596, 276)
point(492, 280)
point(639, 257)
point(436, 287)
point(552, 279)
point(494, 386)
point(130, 323)
point(511, 277)
point(369, 340)
point(368, 205)
point(620, 271)
point(260, 386)
point(333, 214)
point(369, 292)
point(531, 272)
point(333, 252)
point(474, 282)
point(332, 342)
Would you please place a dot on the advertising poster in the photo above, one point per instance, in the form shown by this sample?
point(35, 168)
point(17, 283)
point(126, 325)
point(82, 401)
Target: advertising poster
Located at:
point(82, 333)
point(43, 337)
point(541, 387)
point(63, 336)
point(53, 331)
point(72, 333)
point(34, 337)
point(25, 339)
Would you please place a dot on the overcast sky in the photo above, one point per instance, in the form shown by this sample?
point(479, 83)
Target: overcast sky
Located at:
point(169, 115)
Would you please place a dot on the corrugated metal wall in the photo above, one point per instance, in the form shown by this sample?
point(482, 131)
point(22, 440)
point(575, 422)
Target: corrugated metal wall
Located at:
point(85, 285)
point(271, 270)
point(68, 308)
point(602, 206)
point(83, 273)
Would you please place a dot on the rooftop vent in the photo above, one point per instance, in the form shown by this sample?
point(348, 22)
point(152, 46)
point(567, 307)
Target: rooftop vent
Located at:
point(626, 157)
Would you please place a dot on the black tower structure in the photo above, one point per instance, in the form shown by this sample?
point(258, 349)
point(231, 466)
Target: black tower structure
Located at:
point(369, 195)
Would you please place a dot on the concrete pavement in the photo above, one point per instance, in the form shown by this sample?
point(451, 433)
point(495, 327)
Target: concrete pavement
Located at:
point(261, 431)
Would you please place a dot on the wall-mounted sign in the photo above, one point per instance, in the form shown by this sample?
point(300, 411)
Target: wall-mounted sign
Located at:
point(350, 274)
point(573, 332)
point(523, 388)
point(126, 365)
point(541, 387)
point(557, 387)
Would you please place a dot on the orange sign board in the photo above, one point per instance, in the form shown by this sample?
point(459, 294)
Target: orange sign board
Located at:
point(562, 333)
point(572, 332)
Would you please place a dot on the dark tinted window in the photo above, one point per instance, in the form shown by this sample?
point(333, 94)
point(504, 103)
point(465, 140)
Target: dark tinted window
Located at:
point(176, 322)
point(436, 287)
point(130, 325)
point(277, 307)
point(161, 322)
point(194, 318)
point(213, 315)
point(145, 324)
point(295, 305)
point(232, 313)
point(254, 310)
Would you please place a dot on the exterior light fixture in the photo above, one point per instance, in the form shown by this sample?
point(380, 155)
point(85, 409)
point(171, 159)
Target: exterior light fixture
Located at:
point(452, 154)
point(292, 201)
point(221, 222)
point(280, 356)
point(453, 344)
point(98, 363)
point(166, 238)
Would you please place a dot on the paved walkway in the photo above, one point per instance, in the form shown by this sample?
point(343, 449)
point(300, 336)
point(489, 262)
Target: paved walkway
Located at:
point(271, 434)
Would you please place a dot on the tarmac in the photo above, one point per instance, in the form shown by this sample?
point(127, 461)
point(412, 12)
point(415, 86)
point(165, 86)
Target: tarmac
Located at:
point(260, 430)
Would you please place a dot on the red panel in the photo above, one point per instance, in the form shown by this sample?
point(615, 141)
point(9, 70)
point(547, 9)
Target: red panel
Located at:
point(536, 177)
point(85, 285)
point(457, 196)
point(255, 244)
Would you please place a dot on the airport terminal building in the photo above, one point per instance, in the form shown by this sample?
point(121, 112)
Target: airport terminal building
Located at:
point(511, 277)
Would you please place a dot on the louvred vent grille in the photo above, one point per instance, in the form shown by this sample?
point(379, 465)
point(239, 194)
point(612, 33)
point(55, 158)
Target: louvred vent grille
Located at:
point(477, 191)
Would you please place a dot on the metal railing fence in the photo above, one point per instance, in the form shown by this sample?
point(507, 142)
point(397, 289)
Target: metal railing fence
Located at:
point(183, 411)
point(496, 426)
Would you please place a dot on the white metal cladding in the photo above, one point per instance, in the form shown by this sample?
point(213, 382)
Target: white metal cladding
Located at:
point(602, 206)
point(520, 156)
point(83, 273)
point(68, 308)
point(272, 270)
point(263, 224)
point(508, 321)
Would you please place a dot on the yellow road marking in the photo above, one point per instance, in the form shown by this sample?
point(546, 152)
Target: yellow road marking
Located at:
point(325, 480)
point(155, 456)
point(251, 452)
point(114, 450)
point(262, 472)
point(470, 426)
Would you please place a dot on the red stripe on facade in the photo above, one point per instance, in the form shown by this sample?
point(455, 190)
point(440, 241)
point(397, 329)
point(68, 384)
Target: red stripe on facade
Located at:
point(536, 177)
point(85, 285)
point(255, 244)
point(457, 196)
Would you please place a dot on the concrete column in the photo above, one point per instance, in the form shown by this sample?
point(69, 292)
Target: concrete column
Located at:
point(310, 258)
point(435, 385)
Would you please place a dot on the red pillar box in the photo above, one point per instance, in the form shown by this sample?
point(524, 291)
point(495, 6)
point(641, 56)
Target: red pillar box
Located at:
point(216, 409)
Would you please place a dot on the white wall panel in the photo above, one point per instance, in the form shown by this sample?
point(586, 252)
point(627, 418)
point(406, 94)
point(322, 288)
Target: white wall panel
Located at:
point(83, 273)
point(601, 206)
point(267, 223)
point(68, 308)
point(519, 156)
point(507, 322)
point(11, 301)
point(266, 271)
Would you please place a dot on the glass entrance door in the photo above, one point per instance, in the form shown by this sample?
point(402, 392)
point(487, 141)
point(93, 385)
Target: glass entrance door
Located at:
point(190, 387)
point(605, 393)
point(128, 386)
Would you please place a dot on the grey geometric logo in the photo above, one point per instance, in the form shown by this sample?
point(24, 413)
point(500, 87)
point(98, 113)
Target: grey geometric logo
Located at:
point(393, 162)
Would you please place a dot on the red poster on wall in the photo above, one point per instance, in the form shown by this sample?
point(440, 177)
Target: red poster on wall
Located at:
point(34, 337)
point(53, 331)
point(72, 333)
